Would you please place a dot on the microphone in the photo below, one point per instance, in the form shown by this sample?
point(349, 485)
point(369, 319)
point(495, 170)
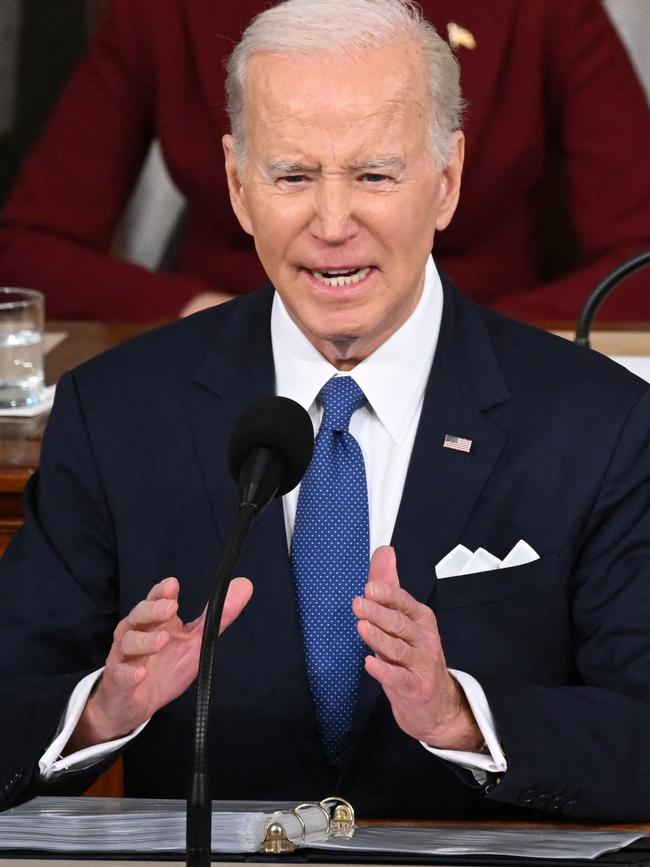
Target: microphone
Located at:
point(270, 449)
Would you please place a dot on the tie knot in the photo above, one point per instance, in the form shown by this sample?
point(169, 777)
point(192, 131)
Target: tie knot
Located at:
point(340, 397)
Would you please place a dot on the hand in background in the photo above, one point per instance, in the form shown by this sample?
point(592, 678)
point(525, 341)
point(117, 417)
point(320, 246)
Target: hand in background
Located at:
point(409, 661)
point(202, 301)
point(153, 659)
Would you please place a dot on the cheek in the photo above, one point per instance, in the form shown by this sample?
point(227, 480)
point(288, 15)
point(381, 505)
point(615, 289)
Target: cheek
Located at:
point(277, 226)
point(403, 221)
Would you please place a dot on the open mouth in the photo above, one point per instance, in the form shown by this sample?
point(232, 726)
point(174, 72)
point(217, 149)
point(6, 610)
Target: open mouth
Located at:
point(340, 276)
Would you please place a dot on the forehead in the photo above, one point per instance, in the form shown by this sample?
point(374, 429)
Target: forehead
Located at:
point(377, 98)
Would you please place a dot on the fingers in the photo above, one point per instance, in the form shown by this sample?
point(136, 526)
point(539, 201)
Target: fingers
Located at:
point(124, 675)
point(383, 566)
point(168, 588)
point(153, 613)
point(142, 632)
point(395, 626)
point(423, 648)
point(392, 677)
point(395, 612)
point(147, 614)
point(136, 643)
point(392, 608)
point(237, 597)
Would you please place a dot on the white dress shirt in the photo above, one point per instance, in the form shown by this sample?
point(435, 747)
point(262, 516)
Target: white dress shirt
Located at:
point(393, 380)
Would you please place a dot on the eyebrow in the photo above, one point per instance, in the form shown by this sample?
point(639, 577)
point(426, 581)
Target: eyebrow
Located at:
point(394, 163)
point(288, 167)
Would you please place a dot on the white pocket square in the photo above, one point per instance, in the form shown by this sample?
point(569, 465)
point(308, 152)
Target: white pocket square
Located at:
point(461, 561)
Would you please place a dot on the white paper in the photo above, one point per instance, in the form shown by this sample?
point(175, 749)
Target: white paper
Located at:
point(132, 825)
point(551, 843)
point(639, 364)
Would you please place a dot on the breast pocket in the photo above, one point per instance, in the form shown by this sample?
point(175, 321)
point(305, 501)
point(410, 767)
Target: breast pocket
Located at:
point(498, 585)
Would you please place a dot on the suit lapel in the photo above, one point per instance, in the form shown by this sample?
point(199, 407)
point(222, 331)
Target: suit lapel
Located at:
point(237, 370)
point(443, 485)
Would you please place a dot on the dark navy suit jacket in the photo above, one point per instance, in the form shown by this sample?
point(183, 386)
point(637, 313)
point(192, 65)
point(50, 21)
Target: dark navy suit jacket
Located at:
point(134, 486)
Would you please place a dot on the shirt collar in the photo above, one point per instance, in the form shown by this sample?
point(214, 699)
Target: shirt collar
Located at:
point(393, 378)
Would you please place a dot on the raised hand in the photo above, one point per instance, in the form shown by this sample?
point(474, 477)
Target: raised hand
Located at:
point(409, 661)
point(153, 659)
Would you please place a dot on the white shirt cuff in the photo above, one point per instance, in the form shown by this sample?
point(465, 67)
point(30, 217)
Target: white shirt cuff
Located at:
point(51, 762)
point(480, 764)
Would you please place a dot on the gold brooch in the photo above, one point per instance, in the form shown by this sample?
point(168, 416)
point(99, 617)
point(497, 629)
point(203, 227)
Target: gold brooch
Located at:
point(460, 37)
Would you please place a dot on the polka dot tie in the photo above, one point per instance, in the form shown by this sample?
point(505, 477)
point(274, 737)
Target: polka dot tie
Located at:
point(330, 559)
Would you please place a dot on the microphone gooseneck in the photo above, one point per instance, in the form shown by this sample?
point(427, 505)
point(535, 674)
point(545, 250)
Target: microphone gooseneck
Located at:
point(600, 293)
point(270, 448)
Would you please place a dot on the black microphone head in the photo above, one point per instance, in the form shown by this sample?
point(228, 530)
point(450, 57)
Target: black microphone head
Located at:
point(276, 423)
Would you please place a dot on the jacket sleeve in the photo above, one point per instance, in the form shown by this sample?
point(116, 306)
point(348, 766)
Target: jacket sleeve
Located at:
point(584, 749)
point(598, 121)
point(57, 227)
point(58, 601)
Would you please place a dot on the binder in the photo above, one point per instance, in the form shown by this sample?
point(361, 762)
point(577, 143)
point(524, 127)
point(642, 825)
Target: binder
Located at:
point(324, 832)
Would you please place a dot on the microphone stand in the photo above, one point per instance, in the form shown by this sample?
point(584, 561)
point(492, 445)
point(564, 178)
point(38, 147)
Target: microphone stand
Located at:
point(260, 478)
point(199, 802)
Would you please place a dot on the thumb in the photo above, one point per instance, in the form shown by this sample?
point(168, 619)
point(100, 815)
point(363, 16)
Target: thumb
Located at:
point(383, 566)
point(237, 597)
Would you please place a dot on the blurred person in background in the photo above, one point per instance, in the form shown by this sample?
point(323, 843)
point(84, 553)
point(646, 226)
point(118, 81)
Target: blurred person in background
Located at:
point(556, 185)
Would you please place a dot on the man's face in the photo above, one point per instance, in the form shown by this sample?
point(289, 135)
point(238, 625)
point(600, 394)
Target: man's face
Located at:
point(340, 191)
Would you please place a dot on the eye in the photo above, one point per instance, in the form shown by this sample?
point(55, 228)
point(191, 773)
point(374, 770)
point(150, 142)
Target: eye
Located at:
point(374, 178)
point(293, 180)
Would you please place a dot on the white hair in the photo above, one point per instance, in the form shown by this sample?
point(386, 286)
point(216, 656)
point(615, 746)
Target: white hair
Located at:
point(334, 27)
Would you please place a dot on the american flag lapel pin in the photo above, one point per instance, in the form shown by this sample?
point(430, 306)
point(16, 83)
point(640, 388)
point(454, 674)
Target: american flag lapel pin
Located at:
point(459, 444)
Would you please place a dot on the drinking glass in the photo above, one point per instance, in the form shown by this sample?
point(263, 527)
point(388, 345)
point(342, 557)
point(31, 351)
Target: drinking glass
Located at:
point(21, 347)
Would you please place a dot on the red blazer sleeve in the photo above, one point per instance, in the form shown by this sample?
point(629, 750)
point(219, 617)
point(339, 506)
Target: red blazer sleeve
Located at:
point(599, 115)
point(57, 227)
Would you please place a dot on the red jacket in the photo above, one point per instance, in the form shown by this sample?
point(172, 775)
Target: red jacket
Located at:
point(548, 83)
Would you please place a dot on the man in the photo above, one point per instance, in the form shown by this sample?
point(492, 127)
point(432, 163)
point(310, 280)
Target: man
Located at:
point(483, 693)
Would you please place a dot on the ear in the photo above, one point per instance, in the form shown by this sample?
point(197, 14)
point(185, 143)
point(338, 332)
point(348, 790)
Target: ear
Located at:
point(235, 185)
point(450, 181)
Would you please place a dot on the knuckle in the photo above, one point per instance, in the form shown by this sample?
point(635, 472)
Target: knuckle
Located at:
point(426, 617)
point(400, 649)
point(140, 613)
point(401, 623)
point(132, 643)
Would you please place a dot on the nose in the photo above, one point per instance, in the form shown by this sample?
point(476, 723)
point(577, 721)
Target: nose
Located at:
point(333, 220)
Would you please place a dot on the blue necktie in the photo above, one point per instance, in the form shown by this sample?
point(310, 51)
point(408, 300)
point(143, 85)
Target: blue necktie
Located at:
point(330, 558)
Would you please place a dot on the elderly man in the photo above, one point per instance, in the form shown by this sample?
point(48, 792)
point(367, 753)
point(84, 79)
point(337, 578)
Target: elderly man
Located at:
point(483, 690)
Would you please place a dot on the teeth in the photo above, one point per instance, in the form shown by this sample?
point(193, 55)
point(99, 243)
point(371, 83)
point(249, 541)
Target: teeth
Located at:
point(341, 276)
